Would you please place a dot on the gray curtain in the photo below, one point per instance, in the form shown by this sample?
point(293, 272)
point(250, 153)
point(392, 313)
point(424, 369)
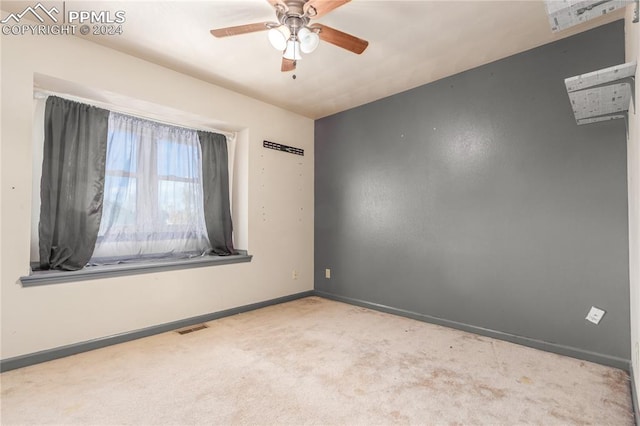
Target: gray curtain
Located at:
point(215, 175)
point(75, 146)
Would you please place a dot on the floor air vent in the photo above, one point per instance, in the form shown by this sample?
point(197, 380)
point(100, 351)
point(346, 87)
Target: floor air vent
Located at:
point(192, 329)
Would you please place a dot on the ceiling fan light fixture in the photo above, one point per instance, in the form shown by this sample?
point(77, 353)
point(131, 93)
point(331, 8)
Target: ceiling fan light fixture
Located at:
point(292, 51)
point(293, 34)
point(278, 37)
point(309, 40)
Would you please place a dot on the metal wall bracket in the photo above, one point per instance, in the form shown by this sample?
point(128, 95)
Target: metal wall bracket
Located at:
point(603, 117)
point(602, 95)
point(564, 14)
point(607, 117)
point(285, 148)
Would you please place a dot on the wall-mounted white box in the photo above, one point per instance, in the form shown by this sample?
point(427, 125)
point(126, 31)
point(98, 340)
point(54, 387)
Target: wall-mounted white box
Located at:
point(595, 315)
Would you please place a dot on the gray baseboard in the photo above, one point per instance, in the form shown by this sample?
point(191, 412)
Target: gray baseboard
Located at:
point(63, 351)
point(76, 348)
point(620, 363)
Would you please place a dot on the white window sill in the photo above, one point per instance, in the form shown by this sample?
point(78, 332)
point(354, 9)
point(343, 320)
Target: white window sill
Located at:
point(37, 278)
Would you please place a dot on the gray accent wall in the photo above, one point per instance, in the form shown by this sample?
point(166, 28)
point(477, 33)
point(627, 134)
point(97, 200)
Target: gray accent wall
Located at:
point(477, 200)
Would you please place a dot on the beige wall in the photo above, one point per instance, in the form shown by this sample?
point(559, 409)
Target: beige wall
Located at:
point(273, 200)
point(632, 37)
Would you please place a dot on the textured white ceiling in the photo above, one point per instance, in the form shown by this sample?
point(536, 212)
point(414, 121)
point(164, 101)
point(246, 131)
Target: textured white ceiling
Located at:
point(410, 43)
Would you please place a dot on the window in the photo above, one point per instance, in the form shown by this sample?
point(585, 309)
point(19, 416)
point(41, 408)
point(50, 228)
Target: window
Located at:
point(116, 188)
point(153, 198)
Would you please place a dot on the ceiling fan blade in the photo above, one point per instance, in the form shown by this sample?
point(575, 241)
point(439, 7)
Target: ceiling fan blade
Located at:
point(240, 29)
point(288, 65)
point(340, 39)
point(322, 7)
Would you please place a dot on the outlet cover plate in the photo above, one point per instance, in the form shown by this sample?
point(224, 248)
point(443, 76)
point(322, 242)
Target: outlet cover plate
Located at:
point(595, 315)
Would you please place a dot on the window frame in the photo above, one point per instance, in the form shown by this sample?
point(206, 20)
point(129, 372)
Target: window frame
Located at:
point(46, 86)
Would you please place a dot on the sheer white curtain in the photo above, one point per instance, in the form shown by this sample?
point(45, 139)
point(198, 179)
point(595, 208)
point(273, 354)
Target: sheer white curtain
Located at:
point(153, 202)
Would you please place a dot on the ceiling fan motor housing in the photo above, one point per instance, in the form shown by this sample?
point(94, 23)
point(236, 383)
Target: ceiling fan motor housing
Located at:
point(292, 33)
point(292, 15)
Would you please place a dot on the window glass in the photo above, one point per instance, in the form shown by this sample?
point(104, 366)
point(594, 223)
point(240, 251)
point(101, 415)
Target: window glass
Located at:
point(153, 194)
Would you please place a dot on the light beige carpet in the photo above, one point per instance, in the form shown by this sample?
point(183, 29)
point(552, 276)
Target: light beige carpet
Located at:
point(315, 361)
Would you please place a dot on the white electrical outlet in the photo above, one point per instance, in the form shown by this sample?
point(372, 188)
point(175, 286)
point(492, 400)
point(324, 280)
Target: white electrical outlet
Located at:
point(294, 275)
point(327, 273)
point(595, 315)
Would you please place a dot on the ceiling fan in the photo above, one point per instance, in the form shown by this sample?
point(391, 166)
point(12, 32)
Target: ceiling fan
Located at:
point(293, 34)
